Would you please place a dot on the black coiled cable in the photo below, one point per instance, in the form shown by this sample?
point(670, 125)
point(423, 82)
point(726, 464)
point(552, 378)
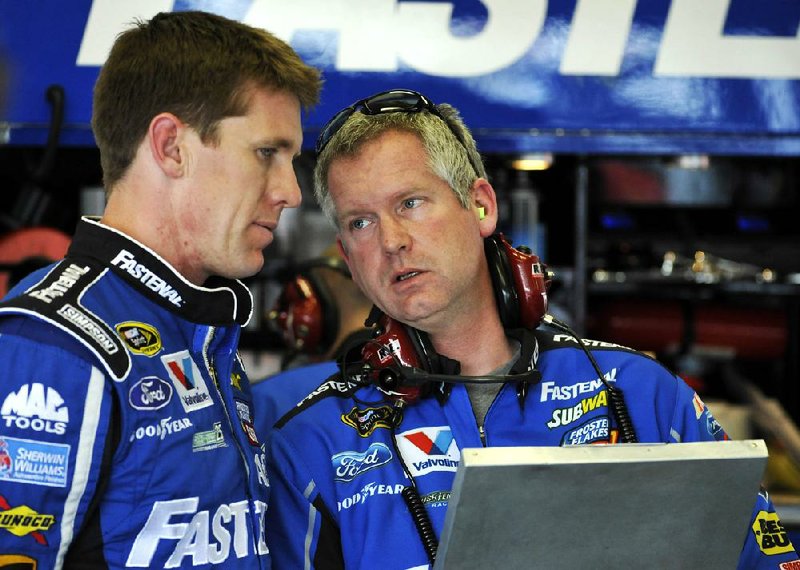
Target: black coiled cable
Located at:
point(411, 496)
point(422, 521)
point(616, 401)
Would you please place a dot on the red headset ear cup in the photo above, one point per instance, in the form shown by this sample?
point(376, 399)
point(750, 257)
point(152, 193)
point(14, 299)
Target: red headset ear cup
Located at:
point(305, 313)
point(505, 292)
point(328, 310)
point(297, 314)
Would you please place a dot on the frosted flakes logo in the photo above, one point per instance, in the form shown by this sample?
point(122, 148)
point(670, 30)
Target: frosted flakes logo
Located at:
point(429, 449)
point(37, 408)
point(188, 380)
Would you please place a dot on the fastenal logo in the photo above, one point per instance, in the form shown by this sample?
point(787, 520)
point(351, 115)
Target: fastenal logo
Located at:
point(552, 391)
point(199, 537)
point(23, 520)
point(127, 262)
point(34, 407)
point(350, 464)
point(429, 449)
point(63, 283)
point(188, 380)
point(140, 338)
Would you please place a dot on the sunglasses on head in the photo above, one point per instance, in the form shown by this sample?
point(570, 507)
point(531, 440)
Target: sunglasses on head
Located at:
point(394, 101)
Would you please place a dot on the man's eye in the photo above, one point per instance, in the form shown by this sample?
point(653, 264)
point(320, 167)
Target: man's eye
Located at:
point(359, 224)
point(410, 203)
point(266, 152)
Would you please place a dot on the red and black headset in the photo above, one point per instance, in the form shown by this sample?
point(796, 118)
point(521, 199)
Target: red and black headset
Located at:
point(305, 313)
point(401, 360)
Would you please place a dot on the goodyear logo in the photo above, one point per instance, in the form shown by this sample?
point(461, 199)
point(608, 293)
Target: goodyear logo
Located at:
point(140, 338)
point(367, 421)
point(23, 520)
point(770, 534)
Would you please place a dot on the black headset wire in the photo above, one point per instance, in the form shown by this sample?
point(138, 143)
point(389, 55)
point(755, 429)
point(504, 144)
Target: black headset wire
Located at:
point(410, 494)
point(616, 400)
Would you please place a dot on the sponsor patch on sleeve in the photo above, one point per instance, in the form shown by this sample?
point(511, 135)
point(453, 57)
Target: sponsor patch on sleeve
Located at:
point(770, 534)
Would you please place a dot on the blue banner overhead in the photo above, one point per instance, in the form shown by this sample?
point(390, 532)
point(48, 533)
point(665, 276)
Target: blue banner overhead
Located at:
point(594, 76)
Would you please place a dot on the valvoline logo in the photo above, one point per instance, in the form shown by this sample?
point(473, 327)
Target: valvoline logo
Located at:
point(187, 380)
point(429, 449)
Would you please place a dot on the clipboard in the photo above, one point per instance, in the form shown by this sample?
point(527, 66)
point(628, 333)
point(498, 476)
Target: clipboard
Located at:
point(684, 505)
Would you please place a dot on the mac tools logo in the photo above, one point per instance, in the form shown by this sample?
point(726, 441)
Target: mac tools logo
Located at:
point(37, 408)
point(429, 449)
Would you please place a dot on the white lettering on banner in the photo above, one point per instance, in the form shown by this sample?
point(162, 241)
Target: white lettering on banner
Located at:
point(125, 261)
point(369, 34)
point(194, 536)
point(694, 28)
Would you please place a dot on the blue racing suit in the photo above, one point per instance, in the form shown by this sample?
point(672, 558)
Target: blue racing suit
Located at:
point(126, 420)
point(336, 475)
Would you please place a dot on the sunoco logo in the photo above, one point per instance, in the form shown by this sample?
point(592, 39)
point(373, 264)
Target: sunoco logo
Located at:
point(37, 408)
point(23, 520)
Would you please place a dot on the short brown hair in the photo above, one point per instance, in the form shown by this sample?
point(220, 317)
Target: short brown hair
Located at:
point(195, 65)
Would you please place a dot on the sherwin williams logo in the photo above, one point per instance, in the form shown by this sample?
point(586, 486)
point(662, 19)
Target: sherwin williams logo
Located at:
point(34, 407)
point(23, 520)
point(429, 449)
point(127, 262)
point(150, 393)
point(140, 338)
point(35, 462)
point(188, 380)
point(350, 464)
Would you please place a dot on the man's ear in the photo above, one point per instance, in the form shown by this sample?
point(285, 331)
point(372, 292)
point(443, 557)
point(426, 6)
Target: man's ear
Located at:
point(165, 134)
point(484, 202)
